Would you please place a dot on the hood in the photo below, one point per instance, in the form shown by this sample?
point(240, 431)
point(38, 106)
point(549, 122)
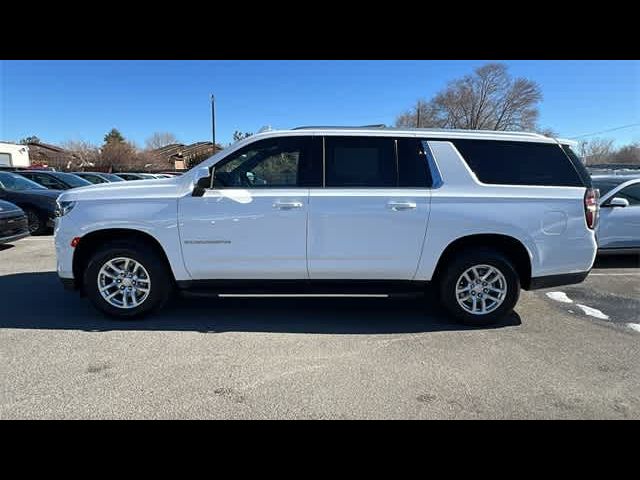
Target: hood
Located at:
point(35, 192)
point(160, 188)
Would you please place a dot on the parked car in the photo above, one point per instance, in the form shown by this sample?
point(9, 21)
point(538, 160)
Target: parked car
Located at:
point(54, 180)
point(98, 177)
point(38, 202)
point(130, 176)
point(618, 230)
point(13, 223)
point(479, 214)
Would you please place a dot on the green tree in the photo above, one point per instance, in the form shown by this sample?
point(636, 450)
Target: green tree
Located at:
point(114, 136)
point(30, 139)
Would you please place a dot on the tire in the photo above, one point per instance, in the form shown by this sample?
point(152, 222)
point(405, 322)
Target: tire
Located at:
point(37, 222)
point(484, 260)
point(154, 274)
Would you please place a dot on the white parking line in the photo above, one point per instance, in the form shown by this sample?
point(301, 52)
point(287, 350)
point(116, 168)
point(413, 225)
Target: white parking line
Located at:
point(614, 274)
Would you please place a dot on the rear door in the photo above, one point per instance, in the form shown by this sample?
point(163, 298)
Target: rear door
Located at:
point(369, 220)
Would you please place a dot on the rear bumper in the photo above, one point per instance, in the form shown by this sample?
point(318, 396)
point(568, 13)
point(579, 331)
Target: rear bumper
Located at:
point(549, 281)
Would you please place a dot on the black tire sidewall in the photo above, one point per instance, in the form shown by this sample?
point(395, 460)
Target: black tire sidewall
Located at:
point(160, 279)
point(42, 224)
point(463, 262)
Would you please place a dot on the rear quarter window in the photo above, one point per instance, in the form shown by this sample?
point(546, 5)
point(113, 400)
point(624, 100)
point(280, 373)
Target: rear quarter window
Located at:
point(519, 163)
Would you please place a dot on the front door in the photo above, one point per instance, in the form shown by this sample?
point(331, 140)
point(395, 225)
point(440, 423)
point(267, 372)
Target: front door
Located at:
point(619, 227)
point(370, 220)
point(253, 223)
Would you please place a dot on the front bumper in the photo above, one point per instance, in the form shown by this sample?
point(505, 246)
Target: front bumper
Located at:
point(13, 227)
point(13, 238)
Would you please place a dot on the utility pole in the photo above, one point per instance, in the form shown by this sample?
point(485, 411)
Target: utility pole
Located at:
point(418, 114)
point(213, 121)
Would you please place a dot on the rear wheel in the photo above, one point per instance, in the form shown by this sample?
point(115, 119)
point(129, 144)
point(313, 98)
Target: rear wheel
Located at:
point(479, 287)
point(127, 279)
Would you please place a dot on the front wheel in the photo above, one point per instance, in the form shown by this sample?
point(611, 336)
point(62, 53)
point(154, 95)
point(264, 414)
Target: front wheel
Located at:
point(126, 280)
point(36, 221)
point(480, 287)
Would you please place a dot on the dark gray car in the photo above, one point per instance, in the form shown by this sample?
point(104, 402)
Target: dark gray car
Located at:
point(13, 223)
point(38, 202)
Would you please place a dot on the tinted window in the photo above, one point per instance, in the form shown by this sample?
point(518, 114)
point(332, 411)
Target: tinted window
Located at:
point(360, 162)
point(631, 193)
point(413, 167)
point(45, 180)
point(578, 164)
point(73, 180)
point(92, 178)
point(519, 163)
point(273, 163)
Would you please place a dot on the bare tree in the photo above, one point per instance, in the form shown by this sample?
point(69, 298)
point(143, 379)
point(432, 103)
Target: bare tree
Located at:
point(629, 154)
point(487, 99)
point(159, 140)
point(597, 150)
point(422, 115)
point(83, 154)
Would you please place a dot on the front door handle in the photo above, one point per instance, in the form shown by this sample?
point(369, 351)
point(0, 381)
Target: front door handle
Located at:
point(287, 205)
point(397, 206)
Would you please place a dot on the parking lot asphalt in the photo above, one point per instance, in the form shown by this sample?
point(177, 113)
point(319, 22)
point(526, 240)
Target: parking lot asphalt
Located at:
point(569, 352)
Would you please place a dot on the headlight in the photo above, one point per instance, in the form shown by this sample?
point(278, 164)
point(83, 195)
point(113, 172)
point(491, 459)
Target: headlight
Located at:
point(62, 208)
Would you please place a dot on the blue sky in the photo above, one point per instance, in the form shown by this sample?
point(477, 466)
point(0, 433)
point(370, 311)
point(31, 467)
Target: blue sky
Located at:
point(82, 100)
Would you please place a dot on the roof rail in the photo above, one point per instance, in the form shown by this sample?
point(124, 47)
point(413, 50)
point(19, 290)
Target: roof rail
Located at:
point(309, 127)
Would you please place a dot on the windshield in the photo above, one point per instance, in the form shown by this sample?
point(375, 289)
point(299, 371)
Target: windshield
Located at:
point(73, 180)
point(111, 177)
point(11, 181)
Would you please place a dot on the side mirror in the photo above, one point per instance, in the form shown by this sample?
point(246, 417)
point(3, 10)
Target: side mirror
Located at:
point(617, 202)
point(202, 181)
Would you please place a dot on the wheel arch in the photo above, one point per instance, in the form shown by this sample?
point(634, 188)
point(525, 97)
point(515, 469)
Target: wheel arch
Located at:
point(90, 242)
point(509, 246)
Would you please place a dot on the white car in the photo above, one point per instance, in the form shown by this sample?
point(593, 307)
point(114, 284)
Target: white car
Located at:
point(480, 214)
point(618, 229)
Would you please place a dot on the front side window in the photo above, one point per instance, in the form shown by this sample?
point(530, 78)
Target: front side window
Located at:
point(360, 162)
point(47, 181)
point(631, 193)
point(286, 162)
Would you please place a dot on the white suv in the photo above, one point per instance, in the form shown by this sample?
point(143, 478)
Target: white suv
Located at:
point(353, 210)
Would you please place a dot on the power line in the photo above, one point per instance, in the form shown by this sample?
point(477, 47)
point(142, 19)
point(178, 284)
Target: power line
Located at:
point(606, 131)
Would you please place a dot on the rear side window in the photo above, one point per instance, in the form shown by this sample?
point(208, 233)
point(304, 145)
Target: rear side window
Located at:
point(413, 166)
point(519, 163)
point(360, 162)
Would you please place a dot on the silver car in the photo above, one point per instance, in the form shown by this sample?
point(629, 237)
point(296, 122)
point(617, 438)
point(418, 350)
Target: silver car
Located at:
point(618, 229)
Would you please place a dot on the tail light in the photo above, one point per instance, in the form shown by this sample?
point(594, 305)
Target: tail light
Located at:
point(591, 208)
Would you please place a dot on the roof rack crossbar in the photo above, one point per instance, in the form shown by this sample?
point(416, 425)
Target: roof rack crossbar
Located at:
point(310, 127)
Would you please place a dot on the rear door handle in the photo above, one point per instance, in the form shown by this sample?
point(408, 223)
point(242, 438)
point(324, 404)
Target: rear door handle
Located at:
point(397, 206)
point(287, 205)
